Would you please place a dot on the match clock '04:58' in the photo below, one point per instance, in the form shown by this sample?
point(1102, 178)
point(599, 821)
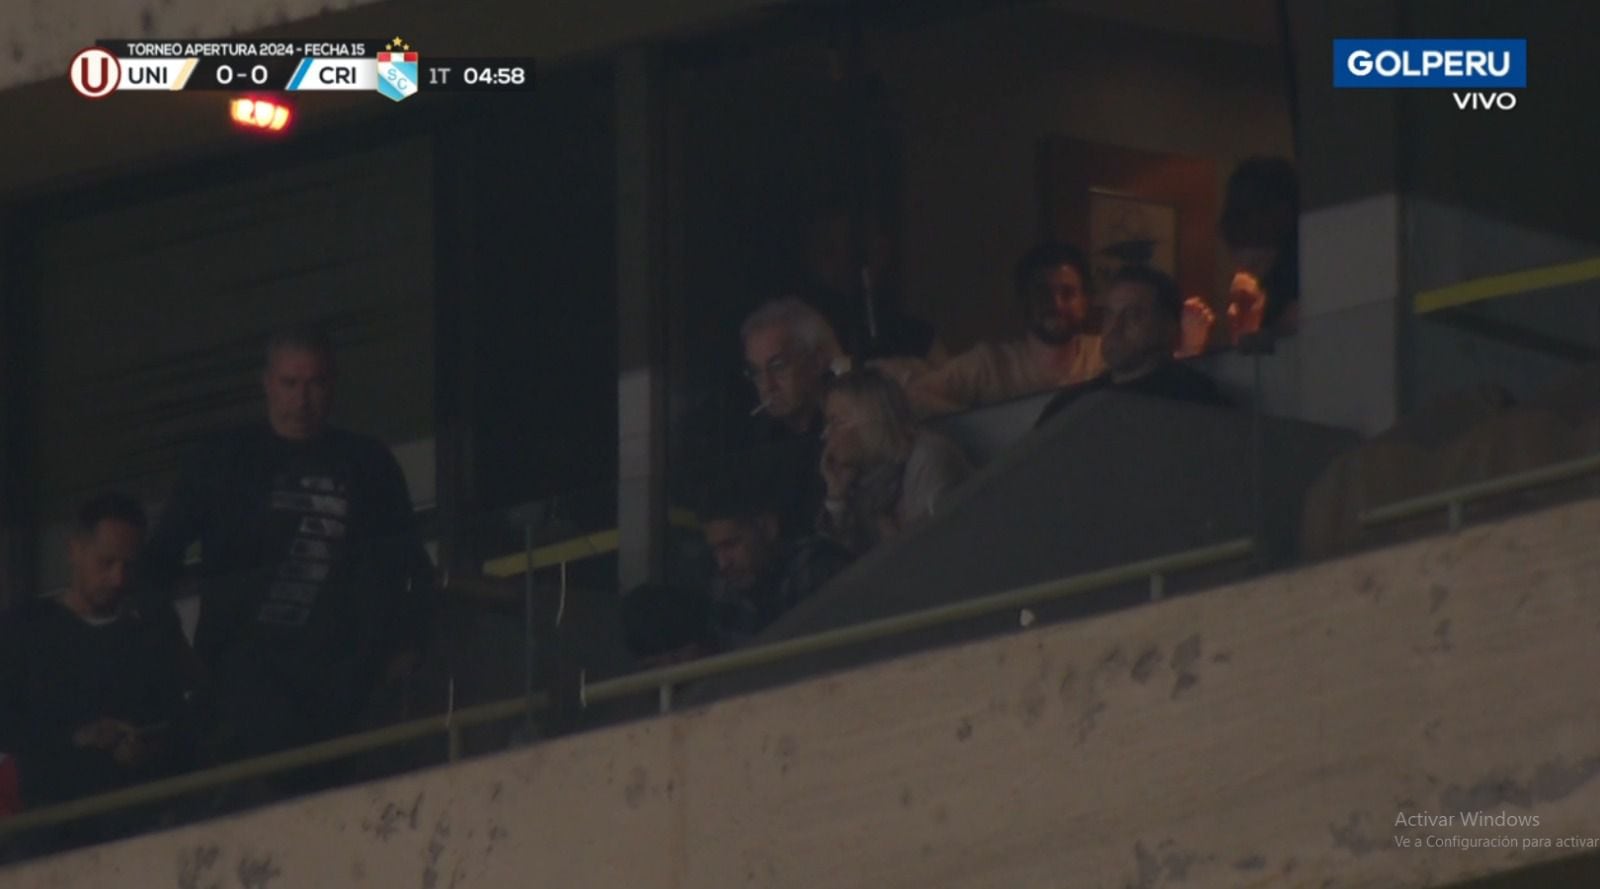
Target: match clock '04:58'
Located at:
point(479, 76)
point(470, 75)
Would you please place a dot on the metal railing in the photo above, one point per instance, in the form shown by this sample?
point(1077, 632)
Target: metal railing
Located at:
point(663, 681)
point(1454, 500)
point(583, 546)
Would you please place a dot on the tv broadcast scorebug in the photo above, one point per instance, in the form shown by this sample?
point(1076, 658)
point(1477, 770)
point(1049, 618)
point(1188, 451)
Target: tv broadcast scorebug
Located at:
point(391, 68)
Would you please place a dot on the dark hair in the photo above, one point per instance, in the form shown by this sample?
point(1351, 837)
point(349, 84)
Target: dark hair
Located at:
point(111, 506)
point(1169, 299)
point(1049, 255)
point(1262, 205)
point(304, 338)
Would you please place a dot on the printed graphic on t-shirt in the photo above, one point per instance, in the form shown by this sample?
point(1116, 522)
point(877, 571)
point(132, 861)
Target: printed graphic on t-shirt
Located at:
point(327, 529)
point(329, 505)
point(315, 507)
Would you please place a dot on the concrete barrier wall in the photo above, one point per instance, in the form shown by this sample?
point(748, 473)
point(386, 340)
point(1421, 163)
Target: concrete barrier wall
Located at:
point(1267, 733)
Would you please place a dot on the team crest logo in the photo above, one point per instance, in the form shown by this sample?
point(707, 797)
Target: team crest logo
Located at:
point(397, 70)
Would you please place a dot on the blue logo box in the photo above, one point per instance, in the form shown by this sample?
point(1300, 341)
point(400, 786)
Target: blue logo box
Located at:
point(1430, 64)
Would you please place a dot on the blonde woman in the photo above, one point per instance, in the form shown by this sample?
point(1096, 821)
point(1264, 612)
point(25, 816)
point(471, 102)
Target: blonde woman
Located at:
point(883, 474)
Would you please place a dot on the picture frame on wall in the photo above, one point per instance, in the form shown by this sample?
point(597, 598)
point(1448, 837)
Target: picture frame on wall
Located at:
point(1099, 196)
point(1129, 230)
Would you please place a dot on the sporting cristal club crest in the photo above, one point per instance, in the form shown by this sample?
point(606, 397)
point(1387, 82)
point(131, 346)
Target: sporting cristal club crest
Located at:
point(397, 70)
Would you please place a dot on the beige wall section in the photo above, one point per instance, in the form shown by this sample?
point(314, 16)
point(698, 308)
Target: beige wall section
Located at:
point(977, 95)
point(1264, 734)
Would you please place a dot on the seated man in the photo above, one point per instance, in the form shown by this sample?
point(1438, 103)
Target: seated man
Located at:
point(789, 351)
point(760, 573)
point(93, 691)
point(759, 576)
point(1057, 350)
point(1144, 312)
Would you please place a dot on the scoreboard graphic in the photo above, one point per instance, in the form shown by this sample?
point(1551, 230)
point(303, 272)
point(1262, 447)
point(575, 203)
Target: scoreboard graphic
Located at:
point(392, 68)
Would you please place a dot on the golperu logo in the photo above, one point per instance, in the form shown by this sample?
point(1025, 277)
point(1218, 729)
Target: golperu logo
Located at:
point(1430, 64)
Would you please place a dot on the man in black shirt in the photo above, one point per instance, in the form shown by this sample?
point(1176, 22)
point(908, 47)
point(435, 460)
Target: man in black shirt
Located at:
point(1143, 319)
point(93, 690)
point(313, 582)
point(760, 574)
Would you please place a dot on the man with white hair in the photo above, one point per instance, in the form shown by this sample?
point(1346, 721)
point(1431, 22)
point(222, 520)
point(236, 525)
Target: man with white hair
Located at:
point(789, 352)
point(789, 349)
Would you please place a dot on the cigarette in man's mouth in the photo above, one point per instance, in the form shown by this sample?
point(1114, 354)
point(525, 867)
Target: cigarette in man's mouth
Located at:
point(760, 407)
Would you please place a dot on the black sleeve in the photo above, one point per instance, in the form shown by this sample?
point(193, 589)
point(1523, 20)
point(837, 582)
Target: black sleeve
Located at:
point(183, 517)
point(401, 558)
point(176, 696)
point(176, 670)
point(23, 731)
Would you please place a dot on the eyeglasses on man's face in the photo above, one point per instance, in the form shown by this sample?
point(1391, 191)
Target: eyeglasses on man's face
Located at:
point(774, 368)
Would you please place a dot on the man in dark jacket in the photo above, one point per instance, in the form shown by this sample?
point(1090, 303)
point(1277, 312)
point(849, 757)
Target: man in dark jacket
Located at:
point(760, 575)
point(313, 582)
point(1144, 315)
point(94, 691)
point(790, 352)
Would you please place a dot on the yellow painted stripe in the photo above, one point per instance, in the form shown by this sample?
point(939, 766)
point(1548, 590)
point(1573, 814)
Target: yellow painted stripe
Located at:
point(1505, 285)
point(576, 549)
point(572, 550)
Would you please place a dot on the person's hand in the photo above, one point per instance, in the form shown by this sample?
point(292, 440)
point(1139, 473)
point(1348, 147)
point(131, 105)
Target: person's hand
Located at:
point(1198, 319)
point(102, 734)
point(1247, 305)
point(838, 476)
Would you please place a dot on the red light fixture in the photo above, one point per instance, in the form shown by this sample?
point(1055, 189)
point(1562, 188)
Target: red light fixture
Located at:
point(260, 114)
